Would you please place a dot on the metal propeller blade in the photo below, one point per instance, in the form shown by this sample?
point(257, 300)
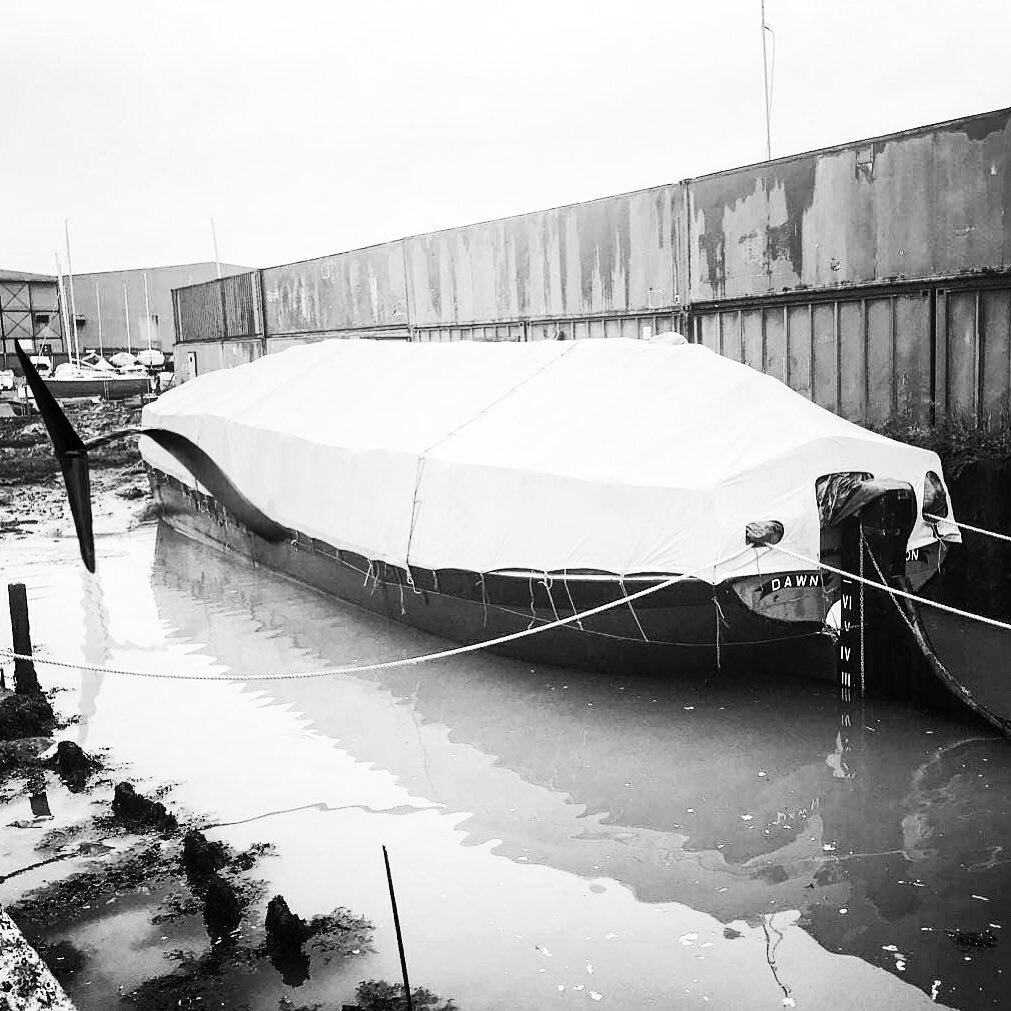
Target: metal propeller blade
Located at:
point(71, 454)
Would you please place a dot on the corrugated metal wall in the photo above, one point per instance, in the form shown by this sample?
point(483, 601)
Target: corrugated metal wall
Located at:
point(872, 277)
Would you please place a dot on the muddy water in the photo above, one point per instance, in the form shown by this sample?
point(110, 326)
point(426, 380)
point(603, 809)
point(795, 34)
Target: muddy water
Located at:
point(558, 839)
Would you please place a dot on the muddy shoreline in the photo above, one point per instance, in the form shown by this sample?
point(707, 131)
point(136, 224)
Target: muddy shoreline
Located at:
point(131, 851)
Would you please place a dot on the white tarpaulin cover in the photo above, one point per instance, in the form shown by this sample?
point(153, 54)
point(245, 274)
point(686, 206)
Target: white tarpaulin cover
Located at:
point(617, 455)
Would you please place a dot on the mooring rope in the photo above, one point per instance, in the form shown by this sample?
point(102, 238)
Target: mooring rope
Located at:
point(386, 664)
point(995, 622)
point(968, 526)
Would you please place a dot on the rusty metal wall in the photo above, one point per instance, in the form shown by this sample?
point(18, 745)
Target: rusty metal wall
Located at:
point(920, 353)
point(928, 203)
point(620, 254)
point(364, 288)
point(866, 355)
point(200, 312)
point(240, 295)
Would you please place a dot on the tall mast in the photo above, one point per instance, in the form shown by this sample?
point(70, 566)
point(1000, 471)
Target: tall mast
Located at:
point(147, 312)
point(73, 304)
point(62, 299)
point(765, 91)
point(98, 303)
point(214, 236)
point(126, 309)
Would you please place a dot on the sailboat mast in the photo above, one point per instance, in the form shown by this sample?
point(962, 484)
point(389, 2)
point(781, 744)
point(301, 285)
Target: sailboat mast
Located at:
point(62, 299)
point(147, 312)
point(98, 303)
point(73, 304)
point(126, 310)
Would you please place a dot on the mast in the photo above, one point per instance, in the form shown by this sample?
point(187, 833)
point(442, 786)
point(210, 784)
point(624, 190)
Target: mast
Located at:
point(98, 303)
point(126, 309)
point(147, 312)
point(765, 90)
point(73, 304)
point(62, 299)
point(217, 259)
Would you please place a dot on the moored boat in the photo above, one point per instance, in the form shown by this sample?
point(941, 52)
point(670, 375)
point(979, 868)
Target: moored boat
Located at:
point(71, 380)
point(478, 490)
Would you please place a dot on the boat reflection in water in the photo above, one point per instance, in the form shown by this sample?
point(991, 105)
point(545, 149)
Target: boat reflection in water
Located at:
point(889, 835)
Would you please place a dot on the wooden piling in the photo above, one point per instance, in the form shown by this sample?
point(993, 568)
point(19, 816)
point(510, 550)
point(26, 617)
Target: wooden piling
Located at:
point(25, 679)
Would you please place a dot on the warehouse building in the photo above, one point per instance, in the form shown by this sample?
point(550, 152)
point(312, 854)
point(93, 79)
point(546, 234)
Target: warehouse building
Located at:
point(121, 310)
point(29, 313)
point(873, 277)
point(114, 310)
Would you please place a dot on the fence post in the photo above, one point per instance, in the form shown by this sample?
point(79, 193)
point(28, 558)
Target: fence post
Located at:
point(25, 679)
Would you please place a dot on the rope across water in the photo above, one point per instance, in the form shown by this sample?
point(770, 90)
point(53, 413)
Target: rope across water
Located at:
point(513, 636)
point(388, 664)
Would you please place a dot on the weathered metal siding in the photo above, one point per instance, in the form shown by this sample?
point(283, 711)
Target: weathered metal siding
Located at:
point(866, 356)
point(973, 361)
point(622, 254)
point(200, 312)
point(361, 289)
point(921, 353)
point(930, 203)
point(241, 310)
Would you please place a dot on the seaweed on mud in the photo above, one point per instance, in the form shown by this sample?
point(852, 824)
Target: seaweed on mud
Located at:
point(378, 995)
point(194, 983)
point(337, 934)
point(28, 715)
point(72, 765)
point(135, 870)
point(138, 813)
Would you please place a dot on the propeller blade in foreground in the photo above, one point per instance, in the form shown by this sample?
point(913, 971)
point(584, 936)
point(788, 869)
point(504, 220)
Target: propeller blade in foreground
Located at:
point(71, 453)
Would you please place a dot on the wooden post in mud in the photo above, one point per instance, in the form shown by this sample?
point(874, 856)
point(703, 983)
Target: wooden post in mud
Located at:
point(25, 679)
point(400, 936)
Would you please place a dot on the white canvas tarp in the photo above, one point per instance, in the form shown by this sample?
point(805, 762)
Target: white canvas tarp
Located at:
point(616, 455)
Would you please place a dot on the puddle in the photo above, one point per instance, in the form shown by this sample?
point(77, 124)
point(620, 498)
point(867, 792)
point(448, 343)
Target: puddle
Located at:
point(556, 837)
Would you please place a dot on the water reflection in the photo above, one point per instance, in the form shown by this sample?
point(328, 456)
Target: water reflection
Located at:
point(889, 834)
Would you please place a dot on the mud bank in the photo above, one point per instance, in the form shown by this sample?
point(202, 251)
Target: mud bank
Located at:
point(32, 497)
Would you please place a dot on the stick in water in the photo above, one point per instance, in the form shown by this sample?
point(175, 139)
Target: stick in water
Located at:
point(400, 936)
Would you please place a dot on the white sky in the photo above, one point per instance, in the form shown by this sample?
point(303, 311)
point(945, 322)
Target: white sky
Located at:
point(311, 127)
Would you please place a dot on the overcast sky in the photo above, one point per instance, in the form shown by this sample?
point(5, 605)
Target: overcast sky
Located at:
point(310, 127)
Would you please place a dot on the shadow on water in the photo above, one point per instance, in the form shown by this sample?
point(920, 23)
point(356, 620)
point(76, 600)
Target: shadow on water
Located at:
point(884, 826)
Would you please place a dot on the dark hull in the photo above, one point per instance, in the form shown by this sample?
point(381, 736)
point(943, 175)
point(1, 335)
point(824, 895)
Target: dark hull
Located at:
point(107, 389)
point(690, 628)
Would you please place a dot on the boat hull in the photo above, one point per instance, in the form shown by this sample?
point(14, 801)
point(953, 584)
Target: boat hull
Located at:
point(107, 389)
point(691, 628)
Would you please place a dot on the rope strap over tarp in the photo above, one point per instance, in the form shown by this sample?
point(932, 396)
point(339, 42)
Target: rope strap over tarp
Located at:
point(389, 664)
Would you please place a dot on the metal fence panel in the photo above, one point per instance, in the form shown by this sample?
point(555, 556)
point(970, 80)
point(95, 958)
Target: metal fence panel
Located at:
point(201, 313)
point(996, 324)
point(239, 296)
point(912, 389)
point(799, 319)
point(774, 348)
point(961, 351)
